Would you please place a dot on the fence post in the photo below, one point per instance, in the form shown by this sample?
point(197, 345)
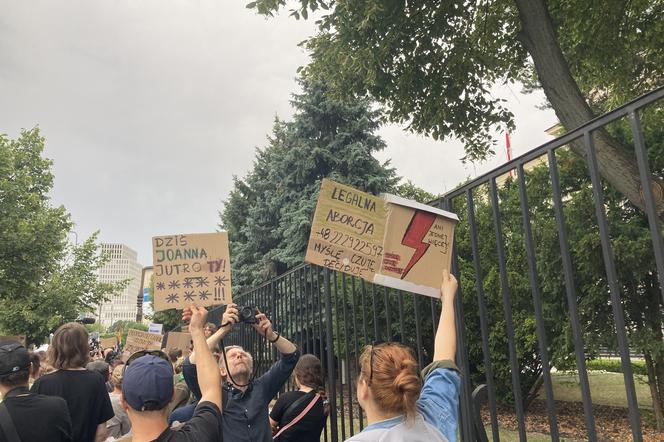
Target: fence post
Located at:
point(331, 375)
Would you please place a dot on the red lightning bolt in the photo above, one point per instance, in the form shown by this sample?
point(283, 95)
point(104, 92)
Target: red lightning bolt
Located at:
point(418, 227)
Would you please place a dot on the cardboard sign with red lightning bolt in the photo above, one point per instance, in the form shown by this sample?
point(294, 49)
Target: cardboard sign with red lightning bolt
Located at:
point(419, 226)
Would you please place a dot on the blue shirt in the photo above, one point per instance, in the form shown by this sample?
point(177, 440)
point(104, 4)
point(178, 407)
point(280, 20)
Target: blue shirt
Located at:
point(438, 403)
point(245, 414)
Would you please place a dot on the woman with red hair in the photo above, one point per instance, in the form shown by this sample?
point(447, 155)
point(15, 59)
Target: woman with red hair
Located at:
point(398, 406)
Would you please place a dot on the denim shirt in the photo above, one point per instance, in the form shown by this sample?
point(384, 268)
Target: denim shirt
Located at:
point(438, 407)
point(439, 399)
point(245, 414)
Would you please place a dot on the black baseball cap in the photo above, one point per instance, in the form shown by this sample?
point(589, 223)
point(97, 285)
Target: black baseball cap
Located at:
point(13, 358)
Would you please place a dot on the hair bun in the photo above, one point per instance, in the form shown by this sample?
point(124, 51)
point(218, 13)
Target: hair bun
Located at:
point(407, 383)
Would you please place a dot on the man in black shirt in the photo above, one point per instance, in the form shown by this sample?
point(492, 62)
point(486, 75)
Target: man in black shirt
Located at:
point(147, 389)
point(245, 416)
point(34, 416)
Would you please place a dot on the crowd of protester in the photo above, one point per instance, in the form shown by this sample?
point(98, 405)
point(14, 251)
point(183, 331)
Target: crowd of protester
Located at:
point(71, 393)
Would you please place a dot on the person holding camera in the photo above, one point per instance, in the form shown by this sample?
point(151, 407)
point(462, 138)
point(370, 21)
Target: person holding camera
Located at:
point(246, 400)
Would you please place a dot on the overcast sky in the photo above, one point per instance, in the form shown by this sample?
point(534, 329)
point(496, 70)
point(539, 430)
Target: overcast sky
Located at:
point(150, 107)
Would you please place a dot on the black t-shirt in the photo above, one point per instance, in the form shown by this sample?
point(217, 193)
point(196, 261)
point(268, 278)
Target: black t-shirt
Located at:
point(38, 417)
point(205, 425)
point(86, 396)
point(309, 427)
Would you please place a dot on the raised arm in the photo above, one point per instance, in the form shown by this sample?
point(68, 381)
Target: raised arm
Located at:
point(209, 378)
point(445, 342)
point(229, 318)
point(264, 328)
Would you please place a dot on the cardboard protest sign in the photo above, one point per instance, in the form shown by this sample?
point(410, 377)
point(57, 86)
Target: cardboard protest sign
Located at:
point(18, 338)
point(191, 268)
point(155, 328)
point(386, 240)
point(347, 230)
point(417, 246)
point(179, 340)
point(108, 342)
point(141, 340)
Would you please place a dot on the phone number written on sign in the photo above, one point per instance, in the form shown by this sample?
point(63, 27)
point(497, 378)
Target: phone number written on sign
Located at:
point(365, 258)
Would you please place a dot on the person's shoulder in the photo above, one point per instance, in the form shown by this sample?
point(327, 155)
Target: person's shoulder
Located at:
point(45, 380)
point(50, 400)
point(54, 405)
point(290, 396)
point(284, 401)
point(367, 436)
point(440, 367)
point(206, 407)
point(206, 422)
point(48, 377)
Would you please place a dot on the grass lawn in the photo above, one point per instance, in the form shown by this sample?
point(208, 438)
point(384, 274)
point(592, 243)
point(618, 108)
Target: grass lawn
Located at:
point(605, 388)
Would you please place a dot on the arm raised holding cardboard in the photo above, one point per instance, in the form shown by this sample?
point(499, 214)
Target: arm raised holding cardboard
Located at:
point(228, 319)
point(445, 342)
point(440, 392)
point(209, 378)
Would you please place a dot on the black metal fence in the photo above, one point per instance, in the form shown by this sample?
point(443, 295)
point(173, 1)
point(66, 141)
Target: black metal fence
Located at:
point(503, 256)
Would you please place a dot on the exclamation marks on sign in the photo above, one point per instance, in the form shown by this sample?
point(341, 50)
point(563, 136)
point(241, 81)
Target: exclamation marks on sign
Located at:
point(219, 293)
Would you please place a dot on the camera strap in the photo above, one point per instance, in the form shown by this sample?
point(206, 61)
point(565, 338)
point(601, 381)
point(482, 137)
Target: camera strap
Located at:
point(256, 365)
point(7, 424)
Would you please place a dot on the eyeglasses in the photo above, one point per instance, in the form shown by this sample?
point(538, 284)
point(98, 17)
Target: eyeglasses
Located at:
point(141, 353)
point(376, 346)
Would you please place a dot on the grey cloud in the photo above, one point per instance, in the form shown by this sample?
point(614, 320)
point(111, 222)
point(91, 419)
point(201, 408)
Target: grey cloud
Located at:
point(150, 107)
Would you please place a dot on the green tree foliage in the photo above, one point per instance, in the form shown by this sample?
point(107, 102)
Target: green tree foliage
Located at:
point(268, 213)
point(44, 281)
point(412, 192)
point(634, 261)
point(125, 325)
point(433, 64)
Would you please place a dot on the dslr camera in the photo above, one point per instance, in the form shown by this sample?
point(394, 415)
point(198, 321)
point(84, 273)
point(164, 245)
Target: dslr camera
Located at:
point(247, 315)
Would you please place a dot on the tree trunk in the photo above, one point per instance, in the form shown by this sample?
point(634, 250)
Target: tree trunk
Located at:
point(615, 165)
point(659, 374)
point(654, 393)
point(534, 392)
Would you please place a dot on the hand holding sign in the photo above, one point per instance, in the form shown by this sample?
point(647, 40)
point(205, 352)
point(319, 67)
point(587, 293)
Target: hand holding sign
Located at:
point(196, 316)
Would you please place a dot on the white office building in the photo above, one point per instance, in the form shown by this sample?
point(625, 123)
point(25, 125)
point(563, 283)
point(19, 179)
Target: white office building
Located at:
point(122, 265)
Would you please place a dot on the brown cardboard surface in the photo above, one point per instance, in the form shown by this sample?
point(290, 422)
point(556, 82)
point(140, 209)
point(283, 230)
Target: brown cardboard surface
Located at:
point(191, 268)
point(179, 340)
point(407, 247)
point(108, 342)
point(417, 248)
point(347, 230)
point(141, 340)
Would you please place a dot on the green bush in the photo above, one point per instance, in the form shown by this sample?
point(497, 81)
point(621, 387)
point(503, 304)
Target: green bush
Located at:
point(615, 366)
